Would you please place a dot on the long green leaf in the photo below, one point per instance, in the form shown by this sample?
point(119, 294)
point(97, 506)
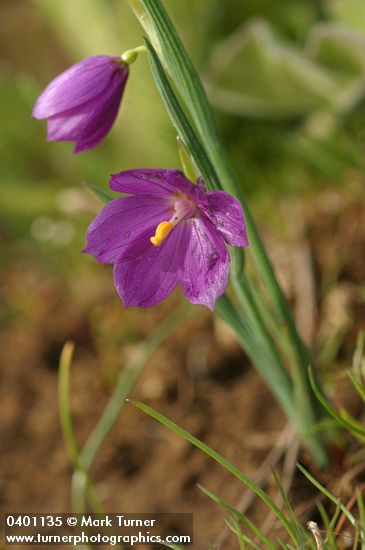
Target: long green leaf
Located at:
point(349, 423)
point(235, 527)
point(329, 495)
point(248, 338)
point(357, 384)
point(189, 87)
point(301, 538)
point(64, 402)
point(99, 193)
point(271, 365)
point(231, 510)
point(180, 66)
point(180, 120)
point(221, 460)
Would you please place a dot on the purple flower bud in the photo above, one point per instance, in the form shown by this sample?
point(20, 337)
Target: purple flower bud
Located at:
point(169, 232)
point(82, 103)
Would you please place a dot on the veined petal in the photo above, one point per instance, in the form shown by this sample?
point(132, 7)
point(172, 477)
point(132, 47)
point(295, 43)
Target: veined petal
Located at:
point(151, 277)
point(66, 128)
point(101, 119)
point(88, 124)
point(226, 214)
point(78, 85)
point(123, 228)
point(205, 269)
point(158, 183)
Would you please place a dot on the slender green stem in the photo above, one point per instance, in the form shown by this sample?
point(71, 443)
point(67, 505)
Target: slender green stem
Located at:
point(191, 90)
point(81, 474)
point(245, 297)
point(128, 57)
point(221, 460)
point(179, 119)
point(189, 87)
point(267, 359)
point(64, 402)
point(305, 418)
point(277, 377)
point(270, 320)
point(125, 383)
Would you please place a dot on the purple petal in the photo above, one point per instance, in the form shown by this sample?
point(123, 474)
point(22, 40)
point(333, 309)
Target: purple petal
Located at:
point(66, 128)
point(151, 277)
point(78, 85)
point(101, 119)
point(205, 270)
point(158, 183)
point(226, 214)
point(88, 124)
point(123, 228)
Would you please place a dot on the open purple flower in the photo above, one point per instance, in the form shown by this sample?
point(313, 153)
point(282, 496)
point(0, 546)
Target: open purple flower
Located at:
point(169, 232)
point(82, 103)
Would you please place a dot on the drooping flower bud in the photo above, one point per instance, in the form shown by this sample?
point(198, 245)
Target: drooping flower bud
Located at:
point(81, 104)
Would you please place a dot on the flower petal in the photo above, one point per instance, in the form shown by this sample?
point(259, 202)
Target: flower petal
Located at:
point(151, 277)
point(158, 183)
point(78, 85)
point(226, 214)
point(205, 270)
point(66, 128)
point(88, 124)
point(123, 228)
point(101, 119)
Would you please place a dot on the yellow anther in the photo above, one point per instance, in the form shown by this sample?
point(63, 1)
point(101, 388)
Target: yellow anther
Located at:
point(162, 230)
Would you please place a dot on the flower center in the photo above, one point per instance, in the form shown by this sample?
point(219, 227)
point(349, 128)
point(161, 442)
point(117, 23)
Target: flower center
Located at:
point(183, 208)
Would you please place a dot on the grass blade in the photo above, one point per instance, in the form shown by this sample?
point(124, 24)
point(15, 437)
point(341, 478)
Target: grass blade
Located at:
point(221, 460)
point(329, 495)
point(235, 527)
point(64, 402)
point(357, 384)
point(180, 120)
point(232, 511)
point(349, 423)
point(302, 539)
point(99, 193)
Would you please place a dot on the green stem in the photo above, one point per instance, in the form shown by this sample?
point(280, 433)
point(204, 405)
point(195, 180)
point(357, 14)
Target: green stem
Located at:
point(128, 57)
point(64, 402)
point(187, 82)
point(191, 90)
point(265, 362)
point(125, 383)
point(222, 461)
point(249, 307)
point(305, 404)
point(270, 320)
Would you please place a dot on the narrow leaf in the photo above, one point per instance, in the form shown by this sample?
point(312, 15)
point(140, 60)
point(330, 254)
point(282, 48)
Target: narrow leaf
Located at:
point(329, 495)
point(179, 119)
point(231, 510)
point(350, 424)
point(220, 459)
point(64, 402)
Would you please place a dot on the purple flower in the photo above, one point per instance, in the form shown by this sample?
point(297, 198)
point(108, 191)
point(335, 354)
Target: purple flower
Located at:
point(82, 103)
point(169, 232)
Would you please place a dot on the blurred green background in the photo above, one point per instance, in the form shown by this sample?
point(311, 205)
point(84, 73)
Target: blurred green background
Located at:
point(286, 79)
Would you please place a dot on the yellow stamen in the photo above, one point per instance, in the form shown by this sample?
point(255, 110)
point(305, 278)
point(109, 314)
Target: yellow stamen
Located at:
point(162, 230)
